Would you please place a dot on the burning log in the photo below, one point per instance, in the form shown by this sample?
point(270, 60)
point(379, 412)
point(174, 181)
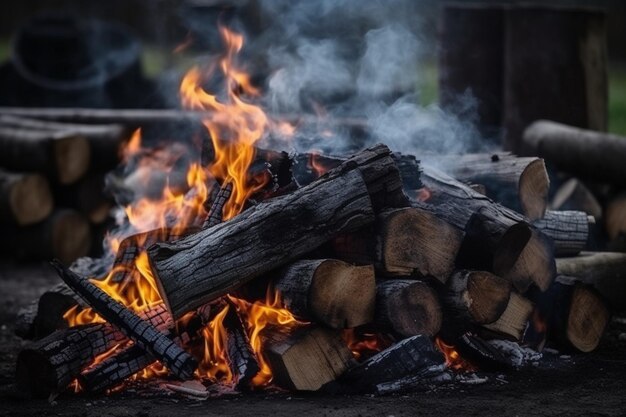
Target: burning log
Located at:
point(50, 364)
point(306, 358)
point(477, 297)
point(403, 242)
point(215, 213)
point(328, 291)
point(576, 316)
point(569, 230)
point(514, 319)
point(413, 356)
point(24, 198)
point(65, 235)
point(275, 232)
point(605, 271)
point(241, 359)
point(145, 335)
point(615, 221)
point(497, 239)
point(521, 184)
point(574, 195)
point(407, 307)
point(65, 156)
point(585, 153)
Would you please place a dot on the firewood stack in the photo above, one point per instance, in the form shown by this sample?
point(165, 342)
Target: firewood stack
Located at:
point(379, 248)
point(52, 202)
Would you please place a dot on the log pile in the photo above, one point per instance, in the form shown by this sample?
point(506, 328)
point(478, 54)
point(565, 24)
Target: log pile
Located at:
point(378, 251)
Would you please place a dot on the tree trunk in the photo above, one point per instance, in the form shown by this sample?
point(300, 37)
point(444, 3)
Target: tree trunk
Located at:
point(569, 231)
point(215, 261)
point(407, 307)
point(24, 198)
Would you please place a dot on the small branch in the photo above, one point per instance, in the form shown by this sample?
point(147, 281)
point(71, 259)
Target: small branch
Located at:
point(215, 214)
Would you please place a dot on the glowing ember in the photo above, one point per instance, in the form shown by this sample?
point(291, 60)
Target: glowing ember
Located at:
point(423, 194)
point(453, 359)
point(364, 344)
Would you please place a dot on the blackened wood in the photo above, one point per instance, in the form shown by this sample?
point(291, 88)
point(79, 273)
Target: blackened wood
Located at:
point(480, 353)
point(241, 359)
point(215, 214)
point(141, 332)
point(572, 38)
point(24, 198)
point(574, 195)
point(424, 380)
point(569, 231)
point(328, 291)
point(407, 307)
point(212, 262)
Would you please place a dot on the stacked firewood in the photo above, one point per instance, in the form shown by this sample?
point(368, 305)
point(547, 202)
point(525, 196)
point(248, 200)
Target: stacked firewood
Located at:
point(52, 202)
point(377, 245)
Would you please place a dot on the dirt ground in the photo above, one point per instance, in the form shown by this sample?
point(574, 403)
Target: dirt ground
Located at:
point(585, 385)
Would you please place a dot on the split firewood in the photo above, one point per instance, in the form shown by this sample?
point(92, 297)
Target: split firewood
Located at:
point(50, 364)
point(307, 358)
point(574, 195)
point(408, 357)
point(514, 319)
point(141, 332)
point(615, 220)
point(518, 183)
point(65, 234)
point(497, 238)
point(605, 271)
point(328, 291)
point(407, 307)
point(403, 242)
point(575, 314)
point(585, 153)
point(64, 156)
point(569, 230)
point(241, 359)
point(215, 213)
point(24, 198)
point(477, 297)
point(275, 232)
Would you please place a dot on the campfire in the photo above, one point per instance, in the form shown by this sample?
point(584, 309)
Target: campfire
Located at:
point(252, 268)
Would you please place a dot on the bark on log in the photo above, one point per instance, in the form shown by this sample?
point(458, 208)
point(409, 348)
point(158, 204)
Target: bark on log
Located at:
point(574, 195)
point(306, 359)
point(521, 184)
point(407, 307)
point(605, 271)
point(212, 262)
point(145, 335)
point(241, 359)
point(615, 220)
point(584, 153)
point(64, 156)
point(514, 319)
point(24, 198)
point(328, 291)
point(497, 239)
point(569, 231)
point(403, 242)
point(215, 213)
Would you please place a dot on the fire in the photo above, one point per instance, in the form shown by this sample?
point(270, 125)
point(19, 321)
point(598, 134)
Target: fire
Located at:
point(364, 344)
point(453, 358)
point(423, 194)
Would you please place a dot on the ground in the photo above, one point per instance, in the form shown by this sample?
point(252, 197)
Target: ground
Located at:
point(593, 384)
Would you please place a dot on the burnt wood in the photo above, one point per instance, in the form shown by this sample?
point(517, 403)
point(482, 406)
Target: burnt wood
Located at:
point(569, 231)
point(241, 359)
point(214, 216)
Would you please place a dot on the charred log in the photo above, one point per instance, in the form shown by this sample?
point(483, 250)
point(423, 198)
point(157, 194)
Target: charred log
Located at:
point(569, 231)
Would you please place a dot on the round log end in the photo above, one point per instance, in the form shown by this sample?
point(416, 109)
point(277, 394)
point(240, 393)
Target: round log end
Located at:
point(30, 199)
point(535, 264)
point(534, 185)
point(489, 296)
point(587, 319)
point(414, 309)
point(71, 155)
point(35, 374)
point(71, 236)
point(509, 249)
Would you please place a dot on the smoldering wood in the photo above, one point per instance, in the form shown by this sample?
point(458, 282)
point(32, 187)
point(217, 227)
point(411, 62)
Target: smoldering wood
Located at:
point(63, 156)
point(275, 232)
point(307, 358)
point(497, 239)
point(587, 154)
point(328, 291)
point(241, 359)
point(520, 183)
point(569, 231)
point(480, 353)
point(514, 319)
point(181, 364)
point(403, 242)
point(574, 195)
point(605, 271)
point(407, 307)
point(214, 216)
point(409, 357)
point(25, 198)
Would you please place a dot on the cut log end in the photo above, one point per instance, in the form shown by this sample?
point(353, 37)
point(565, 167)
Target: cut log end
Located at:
point(587, 319)
point(514, 319)
point(71, 155)
point(535, 264)
point(534, 185)
point(488, 295)
point(30, 199)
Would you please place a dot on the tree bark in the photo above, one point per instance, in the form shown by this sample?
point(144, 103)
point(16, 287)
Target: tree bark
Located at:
point(24, 198)
point(569, 231)
point(212, 262)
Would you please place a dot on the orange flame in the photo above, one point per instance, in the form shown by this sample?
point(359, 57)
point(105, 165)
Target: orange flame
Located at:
point(423, 194)
point(453, 358)
point(364, 344)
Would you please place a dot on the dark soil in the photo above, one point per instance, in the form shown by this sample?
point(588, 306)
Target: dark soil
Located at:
point(585, 385)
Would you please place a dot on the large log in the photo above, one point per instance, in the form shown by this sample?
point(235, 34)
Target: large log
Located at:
point(328, 291)
point(605, 271)
point(212, 262)
point(497, 238)
point(569, 231)
point(141, 332)
point(407, 307)
point(403, 242)
point(307, 358)
point(520, 183)
point(64, 156)
point(24, 198)
point(584, 153)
